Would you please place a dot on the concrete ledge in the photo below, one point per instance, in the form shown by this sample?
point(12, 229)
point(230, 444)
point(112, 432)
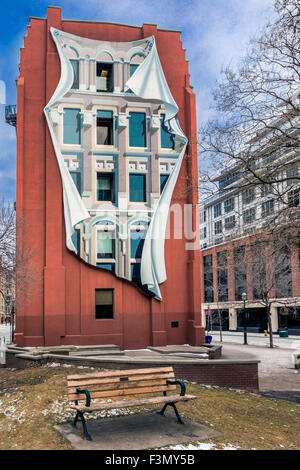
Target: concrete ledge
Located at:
point(240, 374)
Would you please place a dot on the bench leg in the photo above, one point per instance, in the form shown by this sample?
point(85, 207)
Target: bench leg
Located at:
point(177, 414)
point(76, 419)
point(82, 418)
point(161, 412)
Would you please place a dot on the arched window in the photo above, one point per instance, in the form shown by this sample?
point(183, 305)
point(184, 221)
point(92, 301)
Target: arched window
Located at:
point(106, 245)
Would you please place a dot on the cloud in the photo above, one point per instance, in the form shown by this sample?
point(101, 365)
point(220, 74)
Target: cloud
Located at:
point(214, 34)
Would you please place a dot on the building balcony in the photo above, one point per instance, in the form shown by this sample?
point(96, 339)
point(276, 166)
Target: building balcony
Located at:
point(11, 114)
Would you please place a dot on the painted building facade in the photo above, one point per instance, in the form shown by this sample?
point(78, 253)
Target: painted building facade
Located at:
point(100, 158)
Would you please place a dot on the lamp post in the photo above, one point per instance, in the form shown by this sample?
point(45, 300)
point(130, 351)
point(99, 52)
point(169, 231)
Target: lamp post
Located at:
point(244, 298)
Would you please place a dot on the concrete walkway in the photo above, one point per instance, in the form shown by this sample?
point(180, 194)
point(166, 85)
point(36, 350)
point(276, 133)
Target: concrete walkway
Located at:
point(136, 432)
point(5, 332)
point(277, 375)
point(257, 339)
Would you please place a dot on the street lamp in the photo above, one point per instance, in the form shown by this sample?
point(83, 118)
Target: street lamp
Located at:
point(244, 298)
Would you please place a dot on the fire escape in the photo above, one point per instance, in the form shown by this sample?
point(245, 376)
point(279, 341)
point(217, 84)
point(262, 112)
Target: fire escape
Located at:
point(11, 114)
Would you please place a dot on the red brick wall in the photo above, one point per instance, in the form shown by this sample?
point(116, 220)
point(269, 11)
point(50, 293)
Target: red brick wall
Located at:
point(60, 309)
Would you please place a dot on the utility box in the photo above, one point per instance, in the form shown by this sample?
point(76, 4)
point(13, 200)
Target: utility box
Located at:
point(2, 351)
point(296, 359)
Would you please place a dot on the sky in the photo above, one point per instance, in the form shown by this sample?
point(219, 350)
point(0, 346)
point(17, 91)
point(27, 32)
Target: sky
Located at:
point(215, 33)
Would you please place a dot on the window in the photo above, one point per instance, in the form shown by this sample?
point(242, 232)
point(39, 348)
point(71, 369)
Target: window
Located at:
point(202, 216)
point(218, 227)
point(266, 189)
point(105, 244)
point(229, 205)
point(76, 240)
point(240, 277)
point(222, 276)
point(137, 187)
point(137, 237)
point(248, 195)
point(217, 210)
point(135, 272)
point(104, 304)
point(166, 138)
point(208, 279)
point(203, 233)
point(133, 68)
point(227, 180)
point(104, 127)
point(75, 66)
point(294, 198)
point(290, 173)
point(76, 177)
point(105, 187)
point(163, 181)
point(249, 216)
point(137, 129)
point(136, 243)
point(229, 222)
point(104, 78)
point(72, 126)
point(283, 272)
point(267, 208)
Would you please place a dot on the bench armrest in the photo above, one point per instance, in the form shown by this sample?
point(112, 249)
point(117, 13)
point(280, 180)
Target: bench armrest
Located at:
point(87, 394)
point(178, 382)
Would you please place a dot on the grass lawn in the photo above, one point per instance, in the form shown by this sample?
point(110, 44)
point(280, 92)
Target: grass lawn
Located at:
point(34, 399)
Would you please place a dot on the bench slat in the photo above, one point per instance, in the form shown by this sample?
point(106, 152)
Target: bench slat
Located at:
point(121, 385)
point(120, 373)
point(111, 380)
point(129, 391)
point(136, 402)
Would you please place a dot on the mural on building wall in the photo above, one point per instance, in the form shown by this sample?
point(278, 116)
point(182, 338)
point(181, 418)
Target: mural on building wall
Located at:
point(119, 147)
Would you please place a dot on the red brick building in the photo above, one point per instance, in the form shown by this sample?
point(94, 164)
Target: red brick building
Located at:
point(61, 308)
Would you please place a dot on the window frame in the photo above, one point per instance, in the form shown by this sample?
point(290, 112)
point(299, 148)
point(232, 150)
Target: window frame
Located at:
point(78, 74)
point(112, 304)
point(216, 212)
point(111, 175)
point(253, 211)
point(145, 175)
point(111, 78)
point(62, 127)
point(231, 206)
point(112, 130)
point(111, 228)
point(138, 111)
point(265, 208)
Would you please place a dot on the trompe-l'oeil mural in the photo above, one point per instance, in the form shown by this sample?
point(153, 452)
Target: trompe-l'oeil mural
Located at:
point(119, 147)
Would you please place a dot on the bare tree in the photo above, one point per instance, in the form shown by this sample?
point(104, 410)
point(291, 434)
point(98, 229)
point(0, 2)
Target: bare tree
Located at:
point(255, 138)
point(18, 272)
point(218, 293)
point(263, 266)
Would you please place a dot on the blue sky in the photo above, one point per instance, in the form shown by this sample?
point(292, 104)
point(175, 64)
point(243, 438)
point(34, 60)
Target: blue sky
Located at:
point(215, 33)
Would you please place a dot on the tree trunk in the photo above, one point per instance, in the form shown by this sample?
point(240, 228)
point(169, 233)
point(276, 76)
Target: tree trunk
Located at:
point(270, 326)
point(220, 325)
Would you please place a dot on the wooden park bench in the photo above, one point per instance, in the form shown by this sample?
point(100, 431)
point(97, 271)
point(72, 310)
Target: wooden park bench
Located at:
point(106, 385)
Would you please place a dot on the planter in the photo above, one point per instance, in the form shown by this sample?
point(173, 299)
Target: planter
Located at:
point(283, 333)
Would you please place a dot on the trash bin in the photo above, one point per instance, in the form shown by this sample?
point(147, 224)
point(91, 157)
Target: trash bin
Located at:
point(208, 339)
point(283, 333)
